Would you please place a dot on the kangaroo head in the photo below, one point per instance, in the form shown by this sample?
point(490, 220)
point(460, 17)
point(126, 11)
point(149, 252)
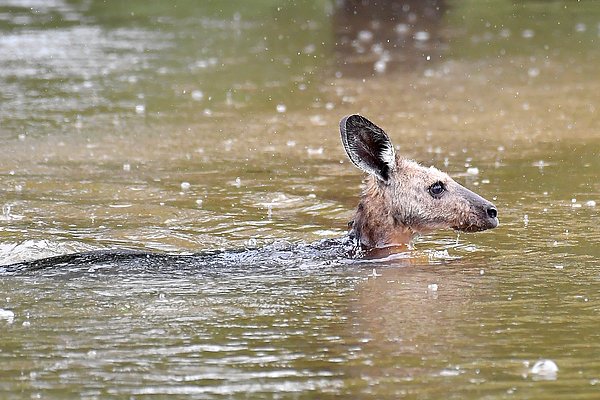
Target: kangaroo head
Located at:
point(403, 198)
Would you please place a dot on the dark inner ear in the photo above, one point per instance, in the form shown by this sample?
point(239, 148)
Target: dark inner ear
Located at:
point(368, 146)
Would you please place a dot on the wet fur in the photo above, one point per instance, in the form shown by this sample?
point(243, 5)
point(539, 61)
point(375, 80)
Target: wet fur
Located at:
point(396, 203)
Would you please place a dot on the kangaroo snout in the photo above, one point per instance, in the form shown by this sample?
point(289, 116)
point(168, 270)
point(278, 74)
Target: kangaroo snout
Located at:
point(472, 213)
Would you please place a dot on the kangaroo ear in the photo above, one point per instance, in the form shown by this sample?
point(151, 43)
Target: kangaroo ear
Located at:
point(368, 146)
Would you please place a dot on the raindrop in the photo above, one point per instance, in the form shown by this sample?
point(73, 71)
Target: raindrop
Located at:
point(422, 36)
point(546, 369)
point(533, 72)
point(185, 185)
point(365, 36)
point(281, 108)
point(309, 49)
point(380, 66)
point(528, 33)
point(402, 29)
point(197, 95)
point(6, 211)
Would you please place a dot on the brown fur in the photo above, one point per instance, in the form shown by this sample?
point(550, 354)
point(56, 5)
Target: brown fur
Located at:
point(396, 203)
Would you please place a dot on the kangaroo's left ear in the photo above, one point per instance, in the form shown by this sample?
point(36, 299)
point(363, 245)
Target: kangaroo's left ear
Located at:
point(368, 146)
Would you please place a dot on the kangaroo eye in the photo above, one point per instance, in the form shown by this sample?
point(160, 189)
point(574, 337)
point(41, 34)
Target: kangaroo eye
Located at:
point(437, 189)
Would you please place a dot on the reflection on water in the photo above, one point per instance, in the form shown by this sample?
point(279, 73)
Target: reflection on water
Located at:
point(378, 37)
point(209, 127)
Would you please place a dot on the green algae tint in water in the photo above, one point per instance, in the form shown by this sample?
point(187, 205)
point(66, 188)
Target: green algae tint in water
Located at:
point(186, 127)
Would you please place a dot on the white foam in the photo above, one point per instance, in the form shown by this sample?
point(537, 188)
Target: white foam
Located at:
point(7, 315)
point(546, 369)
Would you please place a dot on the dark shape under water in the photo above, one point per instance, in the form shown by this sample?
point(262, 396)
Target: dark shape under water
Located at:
point(276, 256)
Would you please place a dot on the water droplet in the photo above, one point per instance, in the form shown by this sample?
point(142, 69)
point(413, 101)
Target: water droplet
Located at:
point(185, 185)
point(533, 72)
point(528, 33)
point(197, 95)
point(365, 36)
point(545, 369)
point(140, 109)
point(422, 36)
point(281, 108)
point(6, 211)
point(402, 29)
point(380, 66)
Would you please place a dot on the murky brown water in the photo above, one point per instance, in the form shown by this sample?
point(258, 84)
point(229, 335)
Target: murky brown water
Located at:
point(184, 128)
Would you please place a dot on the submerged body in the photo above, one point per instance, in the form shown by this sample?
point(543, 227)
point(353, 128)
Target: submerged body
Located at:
point(277, 255)
point(401, 199)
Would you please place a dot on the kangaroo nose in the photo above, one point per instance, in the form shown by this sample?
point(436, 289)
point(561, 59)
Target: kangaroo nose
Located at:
point(492, 212)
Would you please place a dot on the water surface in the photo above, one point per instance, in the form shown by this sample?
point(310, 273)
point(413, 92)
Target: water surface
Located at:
point(187, 127)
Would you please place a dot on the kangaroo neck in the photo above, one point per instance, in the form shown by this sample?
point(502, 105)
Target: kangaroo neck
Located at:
point(374, 225)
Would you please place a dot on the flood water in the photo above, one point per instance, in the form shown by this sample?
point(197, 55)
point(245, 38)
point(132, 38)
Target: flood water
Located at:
point(185, 127)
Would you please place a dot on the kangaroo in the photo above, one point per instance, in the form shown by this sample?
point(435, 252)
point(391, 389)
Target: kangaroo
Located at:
point(402, 198)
